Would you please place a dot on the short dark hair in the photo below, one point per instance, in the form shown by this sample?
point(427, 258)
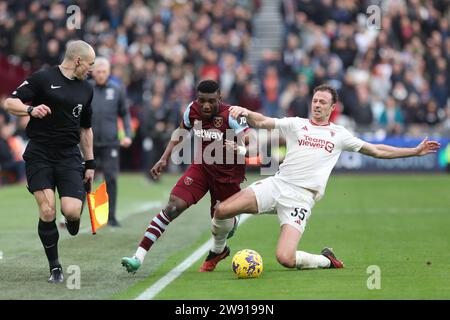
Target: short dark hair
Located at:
point(208, 86)
point(330, 89)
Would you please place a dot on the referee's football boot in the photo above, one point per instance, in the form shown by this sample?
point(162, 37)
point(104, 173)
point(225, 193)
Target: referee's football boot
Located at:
point(335, 263)
point(213, 259)
point(131, 264)
point(72, 226)
point(56, 275)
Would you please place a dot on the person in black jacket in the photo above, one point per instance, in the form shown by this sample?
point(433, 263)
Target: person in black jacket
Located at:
point(155, 129)
point(107, 105)
point(15, 170)
point(60, 118)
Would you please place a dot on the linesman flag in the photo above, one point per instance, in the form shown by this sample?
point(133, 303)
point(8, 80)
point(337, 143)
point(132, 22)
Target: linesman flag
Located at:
point(98, 207)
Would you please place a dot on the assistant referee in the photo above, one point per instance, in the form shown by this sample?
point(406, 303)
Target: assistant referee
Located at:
point(58, 101)
point(107, 105)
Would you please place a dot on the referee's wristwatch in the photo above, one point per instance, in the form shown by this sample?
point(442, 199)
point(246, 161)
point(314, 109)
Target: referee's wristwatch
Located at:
point(29, 110)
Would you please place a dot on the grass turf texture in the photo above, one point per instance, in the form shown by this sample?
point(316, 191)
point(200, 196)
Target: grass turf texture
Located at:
point(400, 223)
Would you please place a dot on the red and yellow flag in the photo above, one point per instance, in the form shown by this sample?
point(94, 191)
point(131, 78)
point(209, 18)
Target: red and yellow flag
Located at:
point(98, 207)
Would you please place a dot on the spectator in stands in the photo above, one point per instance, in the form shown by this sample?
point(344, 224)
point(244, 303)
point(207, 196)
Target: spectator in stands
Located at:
point(363, 116)
point(412, 110)
point(271, 88)
point(292, 57)
point(440, 90)
point(432, 115)
point(391, 118)
point(250, 96)
point(324, 42)
point(12, 169)
point(155, 130)
point(299, 106)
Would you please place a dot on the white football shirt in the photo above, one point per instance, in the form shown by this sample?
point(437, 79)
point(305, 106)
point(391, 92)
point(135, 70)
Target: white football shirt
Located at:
point(312, 152)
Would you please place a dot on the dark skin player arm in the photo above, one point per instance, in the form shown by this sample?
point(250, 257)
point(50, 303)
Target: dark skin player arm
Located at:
point(178, 135)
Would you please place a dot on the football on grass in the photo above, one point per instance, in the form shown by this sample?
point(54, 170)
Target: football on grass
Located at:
point(247, 263)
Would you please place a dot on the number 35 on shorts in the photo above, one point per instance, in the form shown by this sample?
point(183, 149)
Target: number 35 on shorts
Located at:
point(299, 214)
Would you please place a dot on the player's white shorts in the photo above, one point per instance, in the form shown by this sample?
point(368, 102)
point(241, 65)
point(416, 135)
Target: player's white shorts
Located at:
point(292, 204)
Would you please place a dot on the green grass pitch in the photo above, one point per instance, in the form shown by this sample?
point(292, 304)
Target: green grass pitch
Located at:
point(397, 223)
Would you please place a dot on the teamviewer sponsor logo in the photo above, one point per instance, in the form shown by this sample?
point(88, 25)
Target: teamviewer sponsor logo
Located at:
point(309, 141)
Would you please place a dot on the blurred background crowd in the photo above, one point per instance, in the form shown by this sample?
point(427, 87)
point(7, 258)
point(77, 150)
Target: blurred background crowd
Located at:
point(393, 78)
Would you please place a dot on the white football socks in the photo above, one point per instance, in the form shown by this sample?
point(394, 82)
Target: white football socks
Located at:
point(305, 260)
point(140, 254)
point(220, 230)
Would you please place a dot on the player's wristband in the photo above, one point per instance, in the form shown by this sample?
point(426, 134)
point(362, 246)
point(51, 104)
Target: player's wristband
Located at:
point(90, 164)
point(241, 150)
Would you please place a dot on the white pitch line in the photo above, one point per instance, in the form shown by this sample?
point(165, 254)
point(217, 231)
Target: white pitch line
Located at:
point(158, 286)
point(138, 209)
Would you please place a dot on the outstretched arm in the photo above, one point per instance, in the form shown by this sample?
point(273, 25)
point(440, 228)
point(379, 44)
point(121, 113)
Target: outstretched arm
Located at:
point(177, 136)
point(254, 119)
point(383, 151)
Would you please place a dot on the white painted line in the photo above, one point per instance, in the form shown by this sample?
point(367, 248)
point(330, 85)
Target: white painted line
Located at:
point(146, 206)
point(158, 286)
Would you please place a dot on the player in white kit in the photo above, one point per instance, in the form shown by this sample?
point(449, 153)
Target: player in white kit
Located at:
point(313, 148)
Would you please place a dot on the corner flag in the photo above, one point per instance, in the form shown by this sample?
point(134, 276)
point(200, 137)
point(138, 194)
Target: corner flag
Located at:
point(98, 207)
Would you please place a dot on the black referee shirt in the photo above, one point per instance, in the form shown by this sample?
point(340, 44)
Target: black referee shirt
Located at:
point(69, 100)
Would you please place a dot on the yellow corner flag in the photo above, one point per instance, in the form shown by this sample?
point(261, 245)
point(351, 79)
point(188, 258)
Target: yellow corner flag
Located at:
point(98, 207)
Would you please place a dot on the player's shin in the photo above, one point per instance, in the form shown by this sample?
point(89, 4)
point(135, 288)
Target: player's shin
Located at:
point(305, 260)
point(48, 233)
point(220, 230)
point(154, 231)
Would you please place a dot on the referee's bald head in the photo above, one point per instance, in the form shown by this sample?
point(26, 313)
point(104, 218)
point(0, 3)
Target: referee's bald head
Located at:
point(79, 58)
point(78, 48)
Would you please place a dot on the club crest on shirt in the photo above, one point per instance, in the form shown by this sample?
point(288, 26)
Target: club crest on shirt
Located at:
point(77, 110)
point(332, 133)
point(188, 181)
point(218, 121)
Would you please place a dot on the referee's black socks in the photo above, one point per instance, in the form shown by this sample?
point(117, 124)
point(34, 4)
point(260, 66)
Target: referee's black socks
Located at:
point(48, 232)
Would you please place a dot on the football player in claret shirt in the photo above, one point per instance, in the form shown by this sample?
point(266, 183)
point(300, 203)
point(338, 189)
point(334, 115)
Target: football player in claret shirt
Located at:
point(313, 148)
point(209, 120)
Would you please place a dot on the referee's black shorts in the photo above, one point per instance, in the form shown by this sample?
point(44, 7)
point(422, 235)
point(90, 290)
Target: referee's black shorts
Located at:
point(50, 168)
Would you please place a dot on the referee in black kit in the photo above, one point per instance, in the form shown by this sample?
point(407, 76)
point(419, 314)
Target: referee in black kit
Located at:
point(60, 118)
point(107, 105)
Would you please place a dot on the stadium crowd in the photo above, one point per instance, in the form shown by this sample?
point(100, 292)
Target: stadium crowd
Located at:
point(392, 80)
point(395, 77)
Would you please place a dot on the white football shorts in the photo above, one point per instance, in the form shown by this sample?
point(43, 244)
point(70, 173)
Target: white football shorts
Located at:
point(292, 204)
